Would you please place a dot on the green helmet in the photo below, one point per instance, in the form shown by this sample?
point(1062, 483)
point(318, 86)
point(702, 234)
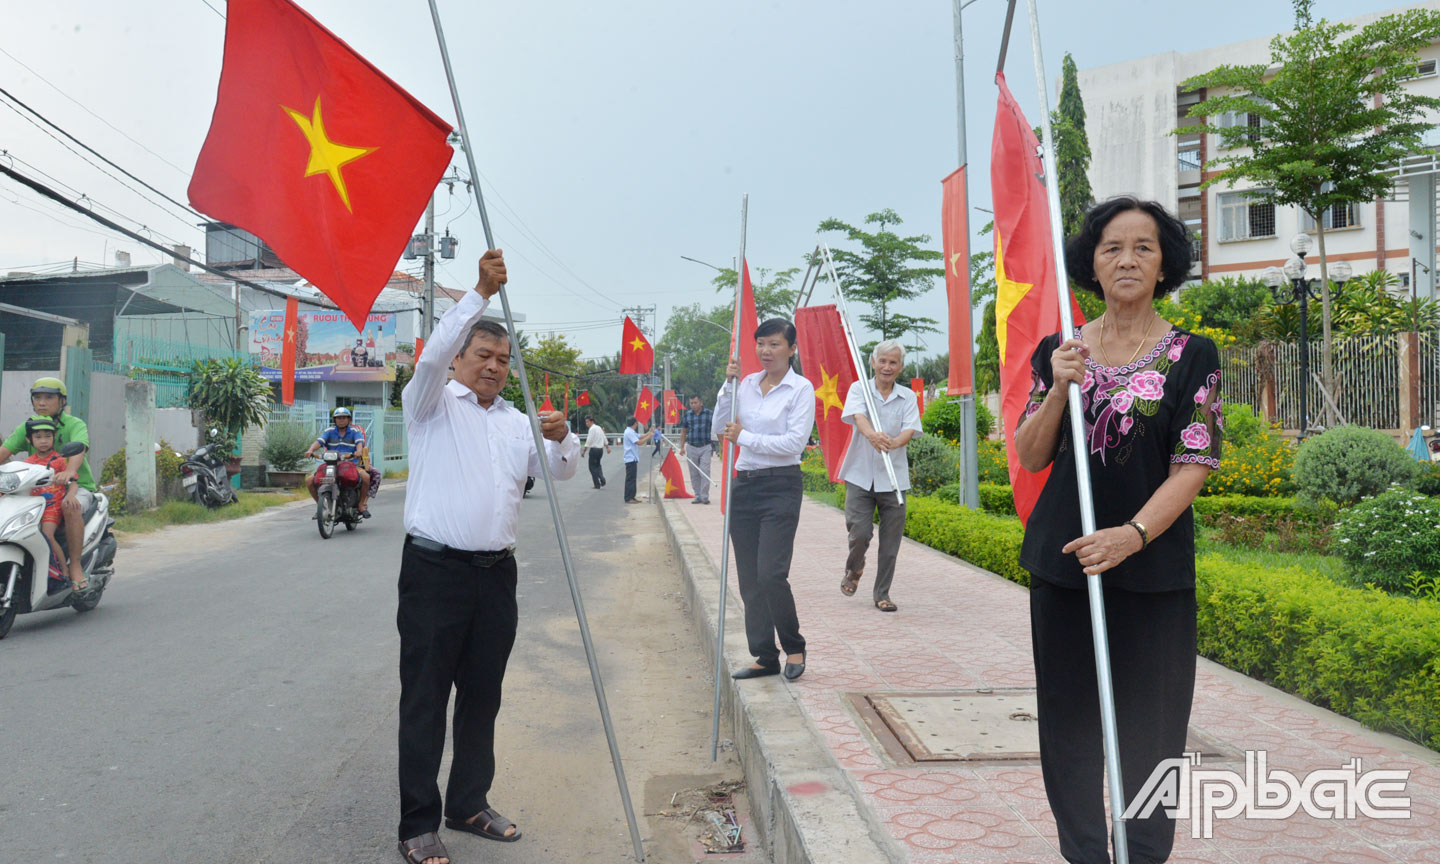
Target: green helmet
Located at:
point(48, 385)
point(40, 424)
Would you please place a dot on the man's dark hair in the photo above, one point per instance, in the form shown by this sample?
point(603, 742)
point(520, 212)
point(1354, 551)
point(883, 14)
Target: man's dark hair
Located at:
point(777, 325)
point(697, 396)
point(1175, 249)
point(491, 330)
point(589, 419)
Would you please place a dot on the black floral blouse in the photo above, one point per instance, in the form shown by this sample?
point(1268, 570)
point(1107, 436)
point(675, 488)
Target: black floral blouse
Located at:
point(1140, 419)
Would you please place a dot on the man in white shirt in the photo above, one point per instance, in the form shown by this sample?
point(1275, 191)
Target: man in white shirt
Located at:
point(867, 483)
point(594, 440)
point(631, 448)
point(470, 452)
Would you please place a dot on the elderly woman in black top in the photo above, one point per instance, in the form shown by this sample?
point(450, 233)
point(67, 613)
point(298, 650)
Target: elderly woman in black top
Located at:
point(1151, 401)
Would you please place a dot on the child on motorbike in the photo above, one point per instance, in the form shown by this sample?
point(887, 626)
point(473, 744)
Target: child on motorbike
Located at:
point(40, 435)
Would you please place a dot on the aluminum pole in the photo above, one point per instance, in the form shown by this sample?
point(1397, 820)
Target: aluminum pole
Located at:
point(970, 460)
point(530, 411)
point(727, 493)
point(1082, 463)
point(872, 410)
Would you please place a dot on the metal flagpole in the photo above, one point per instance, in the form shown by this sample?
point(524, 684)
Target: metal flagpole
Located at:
point(544, 463)
point(693, 463)
point(1082, 465)
point(871, 408)
point(729, 494)
point(970, 481)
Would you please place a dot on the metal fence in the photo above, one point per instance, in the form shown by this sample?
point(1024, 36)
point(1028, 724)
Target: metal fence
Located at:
point(384, 429)
point(163, 363)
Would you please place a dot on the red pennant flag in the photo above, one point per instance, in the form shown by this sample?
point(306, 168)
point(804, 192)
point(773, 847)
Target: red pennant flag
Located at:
point(317, 152)
point(287, 353)
point(918, 385)
point(1026, 306)
point(636, 355)
point(547, 405)
point(674, 477)
point(672, 408)
point(419, 346)
point(583, 399)
point(829, 365)
point(749, 360)
point(955, 237)
point(566, 409)
point(645, 405)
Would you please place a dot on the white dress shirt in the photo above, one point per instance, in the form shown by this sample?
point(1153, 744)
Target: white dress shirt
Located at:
point(596, 436)
point(468, 463)
point(864, 465)
point(776, 426)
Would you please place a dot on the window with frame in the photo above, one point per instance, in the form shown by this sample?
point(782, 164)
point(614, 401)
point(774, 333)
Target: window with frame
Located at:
point(1423, 69)
point(1243, 217)
point(1335, 216)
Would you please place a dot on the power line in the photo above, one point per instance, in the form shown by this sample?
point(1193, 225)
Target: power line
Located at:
point(222, 14)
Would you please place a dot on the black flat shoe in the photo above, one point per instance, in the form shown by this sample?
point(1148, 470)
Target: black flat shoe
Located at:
point(795, 670)
point(753, 672)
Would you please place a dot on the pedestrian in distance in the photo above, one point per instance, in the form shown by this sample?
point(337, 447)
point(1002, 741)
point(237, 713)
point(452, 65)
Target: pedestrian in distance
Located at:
point(659, 437)
point(594, 440)
point(867, 483)
point(471, 452)
point(697, 443)
point(775, 412)
point(631, 452)
point(1153, 426)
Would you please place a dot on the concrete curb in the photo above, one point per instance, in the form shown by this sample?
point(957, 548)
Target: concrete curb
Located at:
point(805, 807)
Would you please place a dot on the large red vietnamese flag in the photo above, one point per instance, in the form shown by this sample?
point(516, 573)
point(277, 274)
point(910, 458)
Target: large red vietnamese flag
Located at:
point(644, 405)
point(1027, 308)
point(828, 363)
point(287, 352)
point(674, 477)
point(636, 355)
point(317, 152)
point(955, 237)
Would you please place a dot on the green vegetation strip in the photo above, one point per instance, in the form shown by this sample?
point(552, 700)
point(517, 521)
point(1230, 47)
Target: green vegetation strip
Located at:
point(190, 513)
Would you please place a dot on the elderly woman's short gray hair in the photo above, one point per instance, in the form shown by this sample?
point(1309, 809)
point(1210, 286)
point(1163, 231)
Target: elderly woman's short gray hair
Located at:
point(886, 347)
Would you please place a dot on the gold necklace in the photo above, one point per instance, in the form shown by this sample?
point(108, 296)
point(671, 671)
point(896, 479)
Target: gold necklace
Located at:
point(1144, 337)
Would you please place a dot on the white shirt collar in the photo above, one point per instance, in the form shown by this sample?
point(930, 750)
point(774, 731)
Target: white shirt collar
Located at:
point(460, 391)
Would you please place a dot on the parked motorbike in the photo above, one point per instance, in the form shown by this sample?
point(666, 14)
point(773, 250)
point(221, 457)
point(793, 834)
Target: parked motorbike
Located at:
point(205, 478)
point(335, 500)
point(25, 585)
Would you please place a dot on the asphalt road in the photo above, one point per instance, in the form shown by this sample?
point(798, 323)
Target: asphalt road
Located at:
point(233, 697)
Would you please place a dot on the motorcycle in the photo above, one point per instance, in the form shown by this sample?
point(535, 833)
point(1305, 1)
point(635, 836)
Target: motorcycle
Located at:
point(205, 479)
point(336, 501)
point(25, 585)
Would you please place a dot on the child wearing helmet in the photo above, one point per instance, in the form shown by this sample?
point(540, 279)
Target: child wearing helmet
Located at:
point(40, 435)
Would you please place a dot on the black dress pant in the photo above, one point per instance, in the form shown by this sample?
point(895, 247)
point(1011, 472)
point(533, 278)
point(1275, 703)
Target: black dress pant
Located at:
point(764, 514)
point(597, 474)
point(631, 470)
point(457, 626)
point(1152, 666)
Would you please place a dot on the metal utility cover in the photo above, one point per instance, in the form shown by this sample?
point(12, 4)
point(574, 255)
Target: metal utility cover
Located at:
point(940, 727)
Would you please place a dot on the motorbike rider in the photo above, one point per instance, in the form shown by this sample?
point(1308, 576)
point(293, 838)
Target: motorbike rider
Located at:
point(40, 435)
point(48, 398)
point(346, 439)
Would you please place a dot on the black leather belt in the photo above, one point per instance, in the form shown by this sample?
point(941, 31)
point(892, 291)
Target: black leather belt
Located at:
point(766, 472)
point(475, 559)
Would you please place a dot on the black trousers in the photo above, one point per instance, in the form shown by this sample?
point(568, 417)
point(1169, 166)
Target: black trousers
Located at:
point(597, 474)
point(457, 626)
point(631, 469)
point(764, 514)
point(1152, 666)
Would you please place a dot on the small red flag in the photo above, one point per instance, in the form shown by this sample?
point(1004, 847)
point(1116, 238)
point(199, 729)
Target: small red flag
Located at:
point(547, 405)
point(583, 399)
point(672, 408)
point(566, 409)
point(645, 405)
point(674, 477)
point(830, 366)
point(287, 352)
point(636, 355)
point(419, 346)
point(955, 237)
point(317, 152)
point(918, 385)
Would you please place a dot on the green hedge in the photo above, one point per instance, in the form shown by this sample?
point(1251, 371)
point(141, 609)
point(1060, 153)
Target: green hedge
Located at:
point(1357, 652)
point(997, 498)
point(994, 497)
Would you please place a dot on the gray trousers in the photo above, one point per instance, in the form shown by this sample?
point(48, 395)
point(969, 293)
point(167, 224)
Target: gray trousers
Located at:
point(860, 507)
point(698, 458)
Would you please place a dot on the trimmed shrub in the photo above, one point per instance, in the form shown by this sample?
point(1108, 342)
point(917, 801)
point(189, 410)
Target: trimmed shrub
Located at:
point(1387, 538)
point(994, 464)
point(1348, 463)
point(944, 415)
point(1270, 511)
point(1427, 478)
point(994, 497)
point(991, 542)
point(167, 475)
point(814, 477)
point(1256, 459)
point(933, 463)
point(285, 445)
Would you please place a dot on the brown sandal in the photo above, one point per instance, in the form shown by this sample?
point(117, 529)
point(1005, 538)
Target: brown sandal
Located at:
point(488, 823)
point(885, 606)
point(849, 584)
point(418, 850)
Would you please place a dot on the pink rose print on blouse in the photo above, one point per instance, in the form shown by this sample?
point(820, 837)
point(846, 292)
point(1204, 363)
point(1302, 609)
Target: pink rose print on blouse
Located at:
point(1177, 348)
point(1148, 385)
point(1089, 382)
point(1201, 394)
point(1195, 437)
point(1121, 400)
point(1125, 423)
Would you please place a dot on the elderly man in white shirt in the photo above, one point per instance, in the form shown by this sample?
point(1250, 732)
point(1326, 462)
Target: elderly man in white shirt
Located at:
point(867, 483)
point(594, 440)
point(470, 452)
point(772, 426)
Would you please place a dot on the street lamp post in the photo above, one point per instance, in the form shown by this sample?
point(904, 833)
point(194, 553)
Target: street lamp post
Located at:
point(1289, 285)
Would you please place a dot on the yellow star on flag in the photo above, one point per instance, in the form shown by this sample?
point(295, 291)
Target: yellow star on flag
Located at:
point(826, 392)
point(644, 404)
point(637, 344)
point(291, 333)
point(326, 156)
point(669, 487)
point(1007, 297)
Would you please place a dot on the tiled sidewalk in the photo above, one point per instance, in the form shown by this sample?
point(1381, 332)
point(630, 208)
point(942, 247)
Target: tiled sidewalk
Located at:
point(962, 628)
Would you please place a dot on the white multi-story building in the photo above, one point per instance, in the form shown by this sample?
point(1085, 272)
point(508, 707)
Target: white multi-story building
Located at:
point(1132, 110)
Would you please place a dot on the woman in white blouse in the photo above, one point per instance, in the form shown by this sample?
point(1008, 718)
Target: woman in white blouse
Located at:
point(772, 426)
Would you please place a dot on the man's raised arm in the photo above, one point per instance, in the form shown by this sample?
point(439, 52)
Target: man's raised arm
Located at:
point(421, 396)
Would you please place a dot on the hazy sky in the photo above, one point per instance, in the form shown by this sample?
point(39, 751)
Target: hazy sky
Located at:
point(612, 137)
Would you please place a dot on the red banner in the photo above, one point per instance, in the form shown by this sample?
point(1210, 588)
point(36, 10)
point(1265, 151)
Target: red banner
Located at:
point(918, 385)
point(287, 353)
point(672, 408)
point(828, 363)
point(955, 236)
point(645, 405)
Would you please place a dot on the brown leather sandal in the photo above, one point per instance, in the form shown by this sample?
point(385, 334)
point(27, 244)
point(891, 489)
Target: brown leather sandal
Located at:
point(488, 823)
point(885, 606)
point(418, 850)
point(849, 584)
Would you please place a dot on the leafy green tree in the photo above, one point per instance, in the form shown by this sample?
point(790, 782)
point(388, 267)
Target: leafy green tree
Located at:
point(982, 290)
point(1324, 120)
point(935, 370)
point(696, 341)
point(1072, 150)
point(1229, 303)
point(774, 298)
point(555, 355)
point(887, 269)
